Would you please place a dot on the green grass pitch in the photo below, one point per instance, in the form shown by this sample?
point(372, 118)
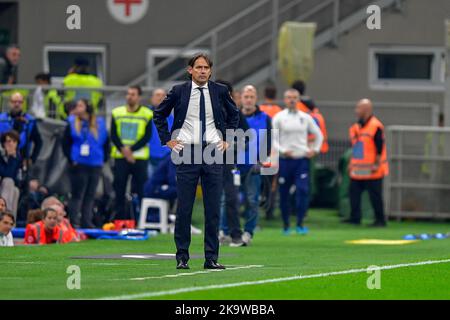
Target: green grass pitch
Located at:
point(40, 272)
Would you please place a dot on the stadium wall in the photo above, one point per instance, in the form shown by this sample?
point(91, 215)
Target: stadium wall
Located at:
point(342, 73)
point(168, 23)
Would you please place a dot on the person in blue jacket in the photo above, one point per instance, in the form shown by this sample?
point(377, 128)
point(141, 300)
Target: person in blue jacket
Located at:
point(158, 152)
point(86, 146)
point(17, 119)
point(250, 160)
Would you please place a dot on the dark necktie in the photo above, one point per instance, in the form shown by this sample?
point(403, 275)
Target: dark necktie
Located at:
point(202, 116)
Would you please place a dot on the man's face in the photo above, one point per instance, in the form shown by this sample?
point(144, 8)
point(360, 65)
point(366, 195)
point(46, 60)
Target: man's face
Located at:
point(133, 97)
point(248, 99)
point(13, 55)
point(6, 225)
point(51, 220)
point(291, 99)
point(157, 97)
point(360, 111)
point(16, 103)
point(200, 72)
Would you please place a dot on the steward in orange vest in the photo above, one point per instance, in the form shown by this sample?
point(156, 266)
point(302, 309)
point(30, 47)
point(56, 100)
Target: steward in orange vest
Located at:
point(367, 162)
point(45, 231)
point(69, 233)
point(368, 165)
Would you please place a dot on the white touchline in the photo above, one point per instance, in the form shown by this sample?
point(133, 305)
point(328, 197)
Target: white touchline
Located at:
point(249, 283)
point(83, 262)
point(176, 275)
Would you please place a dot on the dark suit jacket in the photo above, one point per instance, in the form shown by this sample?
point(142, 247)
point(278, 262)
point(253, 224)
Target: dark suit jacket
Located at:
point(226, 114)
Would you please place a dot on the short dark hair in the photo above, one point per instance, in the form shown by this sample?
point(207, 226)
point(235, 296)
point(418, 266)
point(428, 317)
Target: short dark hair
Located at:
point(7, 214)
point(226, 84)
point(270, 92)
point(12, 134)
point(136, 87)
point(300, 86)
point(199, 55)
point(44, 76)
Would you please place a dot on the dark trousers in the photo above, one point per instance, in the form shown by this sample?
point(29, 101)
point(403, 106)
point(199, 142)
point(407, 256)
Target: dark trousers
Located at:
point(375, 190)
point(84, 181)
point(212, 185)
point(271, 195)
point(122, 170)
point(231, 202)
point(294, 171)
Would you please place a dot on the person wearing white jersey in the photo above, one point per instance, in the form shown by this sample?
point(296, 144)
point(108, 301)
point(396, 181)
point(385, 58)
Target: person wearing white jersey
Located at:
point(295, 154)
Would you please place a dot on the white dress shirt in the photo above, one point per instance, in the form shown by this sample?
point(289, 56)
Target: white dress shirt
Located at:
point(294, 127)
point(6, 240)
point(190, 131)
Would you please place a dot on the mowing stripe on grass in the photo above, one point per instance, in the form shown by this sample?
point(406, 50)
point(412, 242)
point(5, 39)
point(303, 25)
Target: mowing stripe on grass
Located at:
point(176, 275)
point(22, 262)
point(274, 280)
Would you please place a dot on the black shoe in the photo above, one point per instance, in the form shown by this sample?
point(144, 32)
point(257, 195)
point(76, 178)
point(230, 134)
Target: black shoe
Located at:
point(211, 264)
point(351, 221)
point(378, 224)
point(182, 265)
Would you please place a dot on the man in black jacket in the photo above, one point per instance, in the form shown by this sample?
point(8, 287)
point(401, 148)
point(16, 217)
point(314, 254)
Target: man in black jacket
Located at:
point(203, 111)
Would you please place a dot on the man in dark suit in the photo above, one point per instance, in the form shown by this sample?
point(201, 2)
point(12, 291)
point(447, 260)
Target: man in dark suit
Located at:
point(203, 111)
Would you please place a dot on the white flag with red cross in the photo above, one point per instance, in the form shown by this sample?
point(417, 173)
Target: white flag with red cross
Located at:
point(128, 11)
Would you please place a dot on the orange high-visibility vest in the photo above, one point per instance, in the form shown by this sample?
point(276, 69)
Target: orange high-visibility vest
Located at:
point(69, 233)
point(322, 126)
point(35, 234)
point(270, 109)
point(365, 152)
